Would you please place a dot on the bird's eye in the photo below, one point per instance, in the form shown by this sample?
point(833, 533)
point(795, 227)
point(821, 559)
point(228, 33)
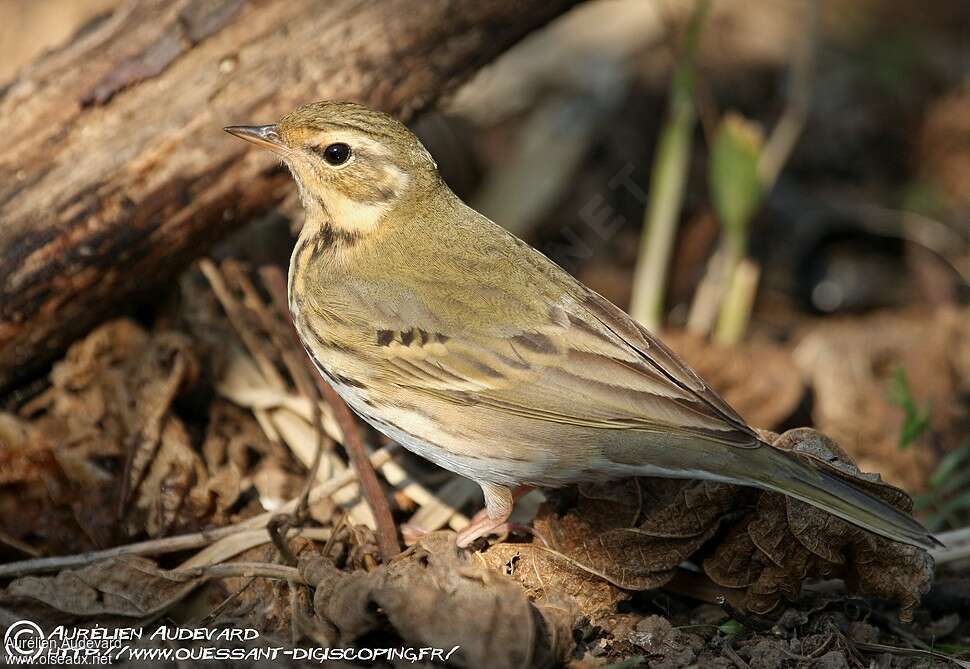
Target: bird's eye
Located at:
point(337, 154)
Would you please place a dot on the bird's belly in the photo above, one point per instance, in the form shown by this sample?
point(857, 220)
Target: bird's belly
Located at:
point(503, 452)
point(471, 440)
point(420, 433)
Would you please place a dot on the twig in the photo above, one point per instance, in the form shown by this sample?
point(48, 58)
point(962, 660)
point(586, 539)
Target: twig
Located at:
point(734, 657)
point(243, 570)
point(298, 372)
point(783, 138)
point(238, 319)
point(908, 652)
point(277, 527)
point(233, 545)
point(185, 541)
point(19, 545)
point(386, 529)
point(956, 546)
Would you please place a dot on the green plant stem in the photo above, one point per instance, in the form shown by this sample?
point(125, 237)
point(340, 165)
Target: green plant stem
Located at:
point(667, 183)
point(735, 313)
point(737, 299)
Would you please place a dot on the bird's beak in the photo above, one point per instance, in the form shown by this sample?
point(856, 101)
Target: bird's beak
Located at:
point(264, 135)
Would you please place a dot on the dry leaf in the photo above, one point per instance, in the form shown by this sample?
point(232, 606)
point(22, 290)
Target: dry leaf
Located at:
point(850, 362)
point(544, 574)
point(35, 496)
point(635, 532)
point(434, 595)
point(111, 399)
point(131, 587)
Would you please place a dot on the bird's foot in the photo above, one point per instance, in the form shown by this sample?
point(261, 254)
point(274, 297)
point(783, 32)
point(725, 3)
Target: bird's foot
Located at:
point(482, 525)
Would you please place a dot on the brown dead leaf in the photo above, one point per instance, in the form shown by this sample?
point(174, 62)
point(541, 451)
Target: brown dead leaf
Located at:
point(231, 435)
point(850, 363)
point(434, 595)
point(132, 587)
point(162, 371)
point(30, 480)
point(547, 574)
point(111, 399)
point(604, 540)
point(785, 541)
point(635, 532)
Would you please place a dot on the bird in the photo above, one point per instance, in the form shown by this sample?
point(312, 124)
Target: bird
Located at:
point(467, 346)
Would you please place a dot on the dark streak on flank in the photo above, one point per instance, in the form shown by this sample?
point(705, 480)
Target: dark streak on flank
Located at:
point(335, 345)
point(407, 337)
point(424, 336)
point(384, 337)
point(320, 341)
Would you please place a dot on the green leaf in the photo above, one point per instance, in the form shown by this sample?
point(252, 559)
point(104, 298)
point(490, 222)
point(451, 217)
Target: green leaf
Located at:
point(730, 627)
point(950, 464)
point(733, 175)
point(955, 505)
point(916, 420)
point(954, 483)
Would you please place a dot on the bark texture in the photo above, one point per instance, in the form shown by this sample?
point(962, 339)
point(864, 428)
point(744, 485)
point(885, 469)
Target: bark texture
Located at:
point(114, 170)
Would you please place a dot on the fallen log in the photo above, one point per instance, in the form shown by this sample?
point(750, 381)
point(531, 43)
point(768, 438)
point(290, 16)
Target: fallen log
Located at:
point(114, 170)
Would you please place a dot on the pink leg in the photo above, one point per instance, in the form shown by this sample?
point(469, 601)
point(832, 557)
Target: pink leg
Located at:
point(499, 501)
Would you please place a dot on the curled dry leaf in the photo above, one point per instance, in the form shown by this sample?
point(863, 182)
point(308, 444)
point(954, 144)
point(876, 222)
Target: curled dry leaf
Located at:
point(36, 510)
point(786, 540)
point(549, 576)
point(635, 533)
point(109, 409)
point(131, 587)
point(435, 595)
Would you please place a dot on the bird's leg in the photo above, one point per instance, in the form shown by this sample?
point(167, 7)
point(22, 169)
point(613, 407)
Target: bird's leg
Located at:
point(412, 533)
point(517, 492)
point(499, 501)
point(498, 508)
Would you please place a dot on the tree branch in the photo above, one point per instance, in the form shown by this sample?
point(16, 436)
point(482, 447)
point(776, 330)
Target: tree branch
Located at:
point(115, 170)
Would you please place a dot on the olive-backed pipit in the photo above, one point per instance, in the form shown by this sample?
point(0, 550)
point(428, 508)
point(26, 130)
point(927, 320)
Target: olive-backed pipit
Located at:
point(467, 346)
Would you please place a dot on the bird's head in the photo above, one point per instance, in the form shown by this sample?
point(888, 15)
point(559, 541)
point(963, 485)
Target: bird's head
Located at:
point(352, 164)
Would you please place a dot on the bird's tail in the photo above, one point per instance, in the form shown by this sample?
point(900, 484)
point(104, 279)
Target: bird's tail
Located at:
point(812, 481)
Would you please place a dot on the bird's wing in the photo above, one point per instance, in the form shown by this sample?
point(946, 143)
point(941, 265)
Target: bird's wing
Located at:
point(584, 362)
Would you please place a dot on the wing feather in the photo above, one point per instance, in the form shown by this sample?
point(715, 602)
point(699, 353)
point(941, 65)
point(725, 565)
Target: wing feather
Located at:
point(588, 364)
